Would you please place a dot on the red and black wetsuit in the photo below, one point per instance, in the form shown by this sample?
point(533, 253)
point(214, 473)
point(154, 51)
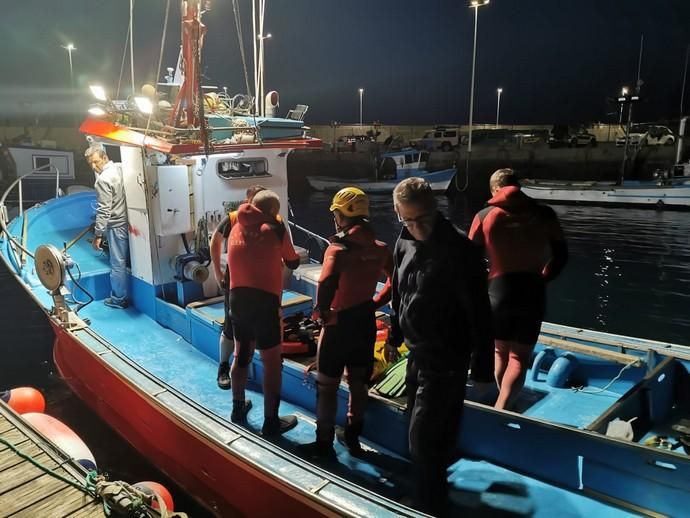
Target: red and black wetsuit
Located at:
point(258, 245)
point(352, 266)
point(525, 246)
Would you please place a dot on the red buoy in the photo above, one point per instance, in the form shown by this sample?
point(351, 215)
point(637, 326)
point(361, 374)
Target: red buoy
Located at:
point(24, 399)
point(150, 488)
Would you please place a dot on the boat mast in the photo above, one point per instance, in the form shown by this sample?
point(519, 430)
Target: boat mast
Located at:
point(189, 97)
point(638, 86)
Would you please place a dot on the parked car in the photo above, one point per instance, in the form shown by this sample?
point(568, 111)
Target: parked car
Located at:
point(441, 137)
point(647, 135)
point(560, 136)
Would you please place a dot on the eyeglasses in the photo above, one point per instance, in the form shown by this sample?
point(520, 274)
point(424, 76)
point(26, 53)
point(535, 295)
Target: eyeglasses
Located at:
point(425, 219)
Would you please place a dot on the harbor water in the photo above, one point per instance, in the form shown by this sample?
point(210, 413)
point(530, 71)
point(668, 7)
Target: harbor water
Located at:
point(629, 273)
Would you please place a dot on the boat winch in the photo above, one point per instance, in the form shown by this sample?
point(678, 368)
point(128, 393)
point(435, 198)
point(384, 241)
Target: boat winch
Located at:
point(51, 268)
point(189, 267)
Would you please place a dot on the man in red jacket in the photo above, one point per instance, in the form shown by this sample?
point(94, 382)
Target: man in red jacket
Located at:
point(525, 246)
point(258, 246)
point(346, 303)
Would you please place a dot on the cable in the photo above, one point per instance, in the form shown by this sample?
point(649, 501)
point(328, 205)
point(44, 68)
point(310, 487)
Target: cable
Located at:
point(240, 38)
point(603, 389)
point(76, 283)
point(160, 61)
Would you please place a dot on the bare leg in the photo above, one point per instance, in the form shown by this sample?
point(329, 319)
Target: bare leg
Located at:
point(501, 356)
point(514, 376)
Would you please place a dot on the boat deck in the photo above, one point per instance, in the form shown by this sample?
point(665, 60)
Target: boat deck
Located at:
point(27, 491)
point(475, 485)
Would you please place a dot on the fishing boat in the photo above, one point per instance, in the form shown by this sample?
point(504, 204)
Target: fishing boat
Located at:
point(393, 168)
point(585, 438)
point(664, 193)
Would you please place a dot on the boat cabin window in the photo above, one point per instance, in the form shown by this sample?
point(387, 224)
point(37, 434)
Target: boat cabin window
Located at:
point(409, 159)
point(424, 157)
point(233, 169)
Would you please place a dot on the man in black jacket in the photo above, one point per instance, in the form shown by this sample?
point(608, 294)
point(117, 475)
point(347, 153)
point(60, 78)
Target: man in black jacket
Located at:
point(441, 310)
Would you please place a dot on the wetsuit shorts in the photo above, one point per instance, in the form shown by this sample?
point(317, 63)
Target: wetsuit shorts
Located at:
point(350, 342)
point(255, 317)
point(518, 302)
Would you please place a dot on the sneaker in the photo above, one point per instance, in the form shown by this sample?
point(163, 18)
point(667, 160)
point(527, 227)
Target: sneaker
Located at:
point(111, 303)
point(224, 375)
point(240, 409)
point(321, 450)
point(278, 425)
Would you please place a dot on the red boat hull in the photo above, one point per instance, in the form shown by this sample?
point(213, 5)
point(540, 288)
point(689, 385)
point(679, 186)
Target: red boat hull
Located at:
point(219, 480)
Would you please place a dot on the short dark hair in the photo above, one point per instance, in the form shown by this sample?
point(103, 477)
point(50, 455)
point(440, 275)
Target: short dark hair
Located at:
point(503, 178)
point(414, 191)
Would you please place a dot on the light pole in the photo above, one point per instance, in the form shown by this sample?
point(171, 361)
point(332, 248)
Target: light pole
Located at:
point(474, 4)
point(499, 91)
point(361, 94)
point(624, 92)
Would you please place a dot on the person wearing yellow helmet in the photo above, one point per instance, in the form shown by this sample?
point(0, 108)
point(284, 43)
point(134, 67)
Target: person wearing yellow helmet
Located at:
point(346, 303)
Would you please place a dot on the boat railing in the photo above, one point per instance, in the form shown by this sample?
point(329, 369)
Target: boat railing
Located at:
point(14, 243)
point(310, 239)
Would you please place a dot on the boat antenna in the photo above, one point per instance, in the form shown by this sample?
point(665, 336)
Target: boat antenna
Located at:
point(240, 40)
point(131, 42)
point(160, 62)
point(122, 65)
point(685, 76)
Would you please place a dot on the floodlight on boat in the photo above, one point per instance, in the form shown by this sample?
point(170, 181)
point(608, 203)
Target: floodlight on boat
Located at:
point(98, 92)
point(97, 110)
point(144, 105)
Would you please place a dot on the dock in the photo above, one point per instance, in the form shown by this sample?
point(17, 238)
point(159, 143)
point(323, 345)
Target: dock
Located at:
point(28, 491)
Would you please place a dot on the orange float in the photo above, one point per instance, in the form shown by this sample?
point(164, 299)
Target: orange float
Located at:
point(24, 399)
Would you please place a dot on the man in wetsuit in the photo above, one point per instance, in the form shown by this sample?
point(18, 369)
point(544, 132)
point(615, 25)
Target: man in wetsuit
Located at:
point(220, 235)
point(525, 246)
point(258, 246)
point(346, 303)
point(441, 307)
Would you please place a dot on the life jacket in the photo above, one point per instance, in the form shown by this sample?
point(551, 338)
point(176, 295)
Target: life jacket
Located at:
point(257, 246)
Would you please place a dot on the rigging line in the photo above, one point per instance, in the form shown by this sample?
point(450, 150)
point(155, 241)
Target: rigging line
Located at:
point(131, 42)
point(240, 39)
point(160, 62)
point(122, 66)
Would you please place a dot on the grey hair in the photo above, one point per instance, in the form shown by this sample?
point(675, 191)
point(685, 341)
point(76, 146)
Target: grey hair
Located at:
point(503, 178)
point(414, 191)
point(266, 201)
point(95, 149)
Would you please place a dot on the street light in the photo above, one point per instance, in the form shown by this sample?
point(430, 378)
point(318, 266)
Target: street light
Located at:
point(498, 104)
point(624, 92)
point(361, 93)
point(474, 4)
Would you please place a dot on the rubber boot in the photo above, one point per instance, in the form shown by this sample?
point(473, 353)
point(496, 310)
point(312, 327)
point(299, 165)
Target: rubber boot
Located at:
point(224, 376)
point(240, 409)
point(349, 436)
point(322, 448)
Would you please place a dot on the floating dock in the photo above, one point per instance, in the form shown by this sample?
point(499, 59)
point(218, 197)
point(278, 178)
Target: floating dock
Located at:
point(25, 489)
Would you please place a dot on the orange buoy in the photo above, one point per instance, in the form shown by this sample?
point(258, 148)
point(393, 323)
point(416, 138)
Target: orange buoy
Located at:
point(63, 437)
point(149, 488)
point(24, 399)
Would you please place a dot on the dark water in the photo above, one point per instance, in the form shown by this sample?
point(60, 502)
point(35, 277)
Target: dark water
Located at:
point(629, 273)
point(629, 269)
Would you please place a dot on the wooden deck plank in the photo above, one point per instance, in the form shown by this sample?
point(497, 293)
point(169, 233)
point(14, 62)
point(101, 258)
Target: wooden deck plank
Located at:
point(9, 458)
point(28, 473)
point(5, 425)
point(60, 504)
point(15, 436)
point(28, 494)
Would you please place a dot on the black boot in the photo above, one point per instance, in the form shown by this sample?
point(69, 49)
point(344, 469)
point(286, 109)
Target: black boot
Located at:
point(349, 436)
point(240, 409)
point(321, 449)
point(224, 375)
point(278, 425)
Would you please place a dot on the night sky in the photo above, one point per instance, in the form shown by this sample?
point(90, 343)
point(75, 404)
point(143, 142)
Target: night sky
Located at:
point(557, 61)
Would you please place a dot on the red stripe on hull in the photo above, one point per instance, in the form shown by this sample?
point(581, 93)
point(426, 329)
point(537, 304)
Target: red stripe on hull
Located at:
point(219, 480)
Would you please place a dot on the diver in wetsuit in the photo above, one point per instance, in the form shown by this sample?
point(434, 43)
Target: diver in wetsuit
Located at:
point(525, 246)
